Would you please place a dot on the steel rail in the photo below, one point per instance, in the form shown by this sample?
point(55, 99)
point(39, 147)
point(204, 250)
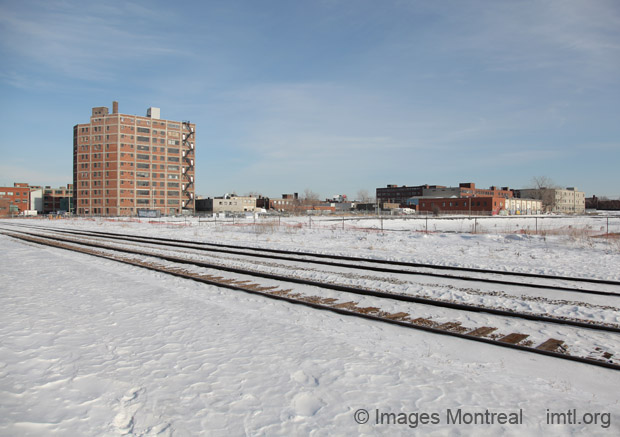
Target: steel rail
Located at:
point(344, 288)
point(379, 261)
point(341, 311)
point(200, 246)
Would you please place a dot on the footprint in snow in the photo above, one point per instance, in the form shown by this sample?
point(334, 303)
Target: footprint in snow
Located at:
point(129, 405)
point(124, 421)
point(306, 404)
point(303, 378)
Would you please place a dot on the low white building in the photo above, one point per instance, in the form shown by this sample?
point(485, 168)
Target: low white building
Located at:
point(517, 206)
point(559, 200)
point(231, 204)
point(36, 200)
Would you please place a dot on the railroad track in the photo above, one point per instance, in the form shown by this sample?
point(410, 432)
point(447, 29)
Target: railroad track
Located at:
point(599, 355)
point(561, 283)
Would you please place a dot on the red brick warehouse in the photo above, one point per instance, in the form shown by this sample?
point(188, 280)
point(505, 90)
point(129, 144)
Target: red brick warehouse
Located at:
point(16, 198)
point(486, 205)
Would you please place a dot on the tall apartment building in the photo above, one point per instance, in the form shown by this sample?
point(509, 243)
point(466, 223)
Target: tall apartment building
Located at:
point(123, 163)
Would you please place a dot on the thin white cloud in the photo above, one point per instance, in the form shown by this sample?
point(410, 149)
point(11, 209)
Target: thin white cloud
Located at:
point(404, 84)
point(23, 81)
point(534, 35)
point(85, 40)
point(327, 119)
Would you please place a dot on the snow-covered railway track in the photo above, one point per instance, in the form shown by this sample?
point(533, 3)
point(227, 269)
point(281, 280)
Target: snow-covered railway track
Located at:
point(601, 287)
point(595, 352)
point(494, 302)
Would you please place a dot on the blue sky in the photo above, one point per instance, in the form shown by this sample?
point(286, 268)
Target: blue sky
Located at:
point(334, 96)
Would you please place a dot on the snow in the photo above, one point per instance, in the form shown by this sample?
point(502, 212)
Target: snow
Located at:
point(563, 246)
point(92, 347)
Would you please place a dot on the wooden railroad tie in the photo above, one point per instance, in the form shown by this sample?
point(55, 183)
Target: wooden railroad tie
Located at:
point(481, 332)
point(551, 345)
point(514, 338)
point(452, 327)
point(424, 322)
point(397, 316)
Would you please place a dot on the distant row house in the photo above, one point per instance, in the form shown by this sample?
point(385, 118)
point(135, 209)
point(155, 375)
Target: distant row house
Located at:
point(291, 203)
point(602, 203)
point(485, 205)
point(231, 204)
point(14, 200)
point(467, 199)
point(394, 194)
point(558, 200)
point(287, 203)
point(22, 199)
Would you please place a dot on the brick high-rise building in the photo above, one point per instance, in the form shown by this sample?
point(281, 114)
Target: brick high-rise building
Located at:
point(123, 163)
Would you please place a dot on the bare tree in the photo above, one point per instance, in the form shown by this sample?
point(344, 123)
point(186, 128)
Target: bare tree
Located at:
point(307, 201)
point(544, 189)
point(310, 197)
point(363, 196)
point(542, 182)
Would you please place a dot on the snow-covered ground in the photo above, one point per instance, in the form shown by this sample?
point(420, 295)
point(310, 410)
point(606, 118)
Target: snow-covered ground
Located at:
point(91, 347)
